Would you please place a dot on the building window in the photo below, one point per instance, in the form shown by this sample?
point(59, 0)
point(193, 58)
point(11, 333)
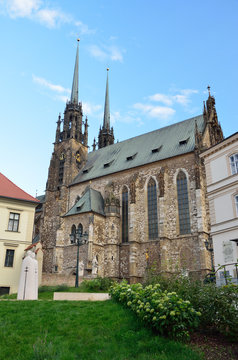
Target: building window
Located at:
point(9, 258)
point(73, 233)
point(4, 290)
point(236, 198)
point(234, 164)
point(61, 171)
point(183, 204)
point(13, 223)
point(152, 209)
point(125, 214)
point(80, 229)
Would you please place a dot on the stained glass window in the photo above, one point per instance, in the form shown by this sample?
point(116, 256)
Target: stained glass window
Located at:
point(152, 209)
point(73, 233)
point(183, 204)
point(125, 214)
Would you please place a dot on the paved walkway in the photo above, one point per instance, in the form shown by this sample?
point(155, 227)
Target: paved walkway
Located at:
point(77, 296)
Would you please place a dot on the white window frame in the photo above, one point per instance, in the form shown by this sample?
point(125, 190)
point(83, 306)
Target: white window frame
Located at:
point(234, 163)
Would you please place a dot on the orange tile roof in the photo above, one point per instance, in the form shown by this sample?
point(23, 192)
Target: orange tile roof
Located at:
point(10, 190)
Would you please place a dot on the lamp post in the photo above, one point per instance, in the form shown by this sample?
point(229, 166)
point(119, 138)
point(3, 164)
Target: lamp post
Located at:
point(209, 247)
point(80, 239)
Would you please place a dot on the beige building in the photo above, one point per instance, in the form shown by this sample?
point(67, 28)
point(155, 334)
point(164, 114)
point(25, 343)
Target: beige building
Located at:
point(17, 209)
point(221, 163)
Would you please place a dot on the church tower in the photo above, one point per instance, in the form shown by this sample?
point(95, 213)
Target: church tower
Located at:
point(106, 136)
point(212, 124)
point(69, 155)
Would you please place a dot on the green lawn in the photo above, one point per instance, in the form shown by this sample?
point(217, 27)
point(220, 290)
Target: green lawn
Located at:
point(43, 330)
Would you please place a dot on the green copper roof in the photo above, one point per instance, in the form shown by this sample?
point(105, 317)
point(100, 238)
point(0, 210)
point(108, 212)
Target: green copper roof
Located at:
point(91, 201)
point(106, 120)
point(75, 90)
point(173, 140)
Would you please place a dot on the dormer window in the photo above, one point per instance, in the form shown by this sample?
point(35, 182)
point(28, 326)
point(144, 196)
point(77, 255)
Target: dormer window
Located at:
point(183, 142)
point(79, 207)
point(131, 157)
point(106, 165)
point(156, 150)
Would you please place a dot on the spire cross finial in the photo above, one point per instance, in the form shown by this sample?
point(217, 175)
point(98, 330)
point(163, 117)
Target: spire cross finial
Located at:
point(208, 88)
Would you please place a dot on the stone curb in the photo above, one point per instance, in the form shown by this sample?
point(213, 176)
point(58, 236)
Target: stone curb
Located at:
point(71, 296)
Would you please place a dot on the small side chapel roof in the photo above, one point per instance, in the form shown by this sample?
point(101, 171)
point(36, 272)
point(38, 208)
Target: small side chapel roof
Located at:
point(169, 142)
point(91, 201)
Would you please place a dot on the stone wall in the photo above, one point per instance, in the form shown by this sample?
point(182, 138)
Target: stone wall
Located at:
point(170, 252)
point(58, 279)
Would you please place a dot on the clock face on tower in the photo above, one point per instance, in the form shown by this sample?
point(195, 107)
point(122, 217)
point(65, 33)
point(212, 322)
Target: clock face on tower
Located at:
point(77, 157)
point(62, 156)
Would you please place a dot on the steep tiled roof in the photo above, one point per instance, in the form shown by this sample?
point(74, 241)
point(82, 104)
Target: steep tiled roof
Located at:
point(173, 140)
point(9, 190)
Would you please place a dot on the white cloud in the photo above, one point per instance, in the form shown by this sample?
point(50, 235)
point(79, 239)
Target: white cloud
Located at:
point(49, 85)
point(128, 118)
point(159, 112)
point(83, 28)
point(52, 17)
point(90, 109)
point(95, 51)
point(165, 99)
point(105, 52)
point(21, 8)
point(183, 97)
point(40, 11)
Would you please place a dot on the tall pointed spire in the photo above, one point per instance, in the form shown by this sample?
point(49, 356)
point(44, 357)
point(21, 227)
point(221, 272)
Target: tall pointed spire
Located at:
point(106, 136)
point(75, 90)
point(106, 120)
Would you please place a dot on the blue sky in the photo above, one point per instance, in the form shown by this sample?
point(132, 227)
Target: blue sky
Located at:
point(161, 55)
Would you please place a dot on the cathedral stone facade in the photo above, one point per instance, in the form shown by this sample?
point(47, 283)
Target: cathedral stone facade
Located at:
point(142, 201)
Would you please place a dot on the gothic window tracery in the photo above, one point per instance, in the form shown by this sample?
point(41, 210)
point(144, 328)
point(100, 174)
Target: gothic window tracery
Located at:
point(80, 229)
point(124, 214)
point(183, 204)
point(73, 232)
point(152, 209)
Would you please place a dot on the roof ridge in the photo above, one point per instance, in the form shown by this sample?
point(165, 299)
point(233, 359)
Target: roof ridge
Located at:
point(12, 183)
point(149, 132)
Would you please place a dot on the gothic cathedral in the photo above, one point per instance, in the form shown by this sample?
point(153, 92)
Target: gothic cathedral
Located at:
point(137, 203)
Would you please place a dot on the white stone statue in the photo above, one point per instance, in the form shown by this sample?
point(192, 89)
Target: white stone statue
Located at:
point(94, 266)
point(28, 284)
point(81, 268)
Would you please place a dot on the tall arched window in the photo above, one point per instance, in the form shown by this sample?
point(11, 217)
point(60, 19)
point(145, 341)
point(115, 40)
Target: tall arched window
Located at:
point(73, 232)
point(80, 229)
point(183, 204)
point(124, 214)
point(152, 209)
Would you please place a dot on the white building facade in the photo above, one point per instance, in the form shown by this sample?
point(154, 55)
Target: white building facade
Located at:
point(221, 164)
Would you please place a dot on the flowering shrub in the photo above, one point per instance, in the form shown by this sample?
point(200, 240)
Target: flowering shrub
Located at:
point(164, 311)
point(218, 305)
